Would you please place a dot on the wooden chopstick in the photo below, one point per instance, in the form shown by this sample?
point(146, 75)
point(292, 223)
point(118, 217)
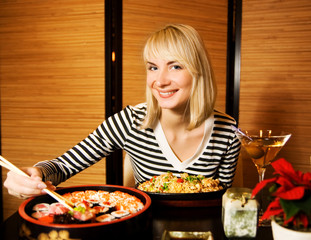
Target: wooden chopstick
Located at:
point(10, 166)
point(59, 198)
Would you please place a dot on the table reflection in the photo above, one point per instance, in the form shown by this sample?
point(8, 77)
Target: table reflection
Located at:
point(164, 218)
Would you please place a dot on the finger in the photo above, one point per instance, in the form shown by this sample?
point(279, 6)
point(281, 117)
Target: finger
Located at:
point(50, 185)
point(33, 172)
point(23, 185)
point(18, 195)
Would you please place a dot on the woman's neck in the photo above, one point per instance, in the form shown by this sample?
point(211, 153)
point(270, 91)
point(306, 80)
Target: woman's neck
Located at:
point(183, 142)
point(173, 120)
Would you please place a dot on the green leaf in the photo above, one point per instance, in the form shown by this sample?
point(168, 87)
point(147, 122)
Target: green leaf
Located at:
point(291, 208)
point(273, 188)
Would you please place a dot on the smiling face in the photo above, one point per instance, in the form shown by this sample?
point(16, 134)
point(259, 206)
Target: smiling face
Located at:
point(176, 56)
point(170, 83)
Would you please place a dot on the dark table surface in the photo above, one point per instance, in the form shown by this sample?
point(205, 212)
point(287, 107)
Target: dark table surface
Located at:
point(200, 219)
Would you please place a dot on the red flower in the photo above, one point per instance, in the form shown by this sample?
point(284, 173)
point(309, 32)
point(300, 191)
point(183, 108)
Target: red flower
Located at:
point(292, 194)
point(273, 209)
point(261, 185)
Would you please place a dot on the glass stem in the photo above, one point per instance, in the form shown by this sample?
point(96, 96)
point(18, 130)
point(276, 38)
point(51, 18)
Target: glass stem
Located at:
point(261, 173)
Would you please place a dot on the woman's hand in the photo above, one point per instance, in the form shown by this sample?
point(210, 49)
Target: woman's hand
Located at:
point(24, 187)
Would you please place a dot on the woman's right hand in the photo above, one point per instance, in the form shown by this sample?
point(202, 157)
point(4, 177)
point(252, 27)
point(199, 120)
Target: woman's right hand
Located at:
point(24, 187)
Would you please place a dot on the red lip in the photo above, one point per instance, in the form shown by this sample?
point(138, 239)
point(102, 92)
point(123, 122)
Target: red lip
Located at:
point(166, 94)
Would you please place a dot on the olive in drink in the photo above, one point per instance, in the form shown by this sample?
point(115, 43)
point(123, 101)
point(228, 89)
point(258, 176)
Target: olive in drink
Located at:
point(263, 150)
point(262, 146)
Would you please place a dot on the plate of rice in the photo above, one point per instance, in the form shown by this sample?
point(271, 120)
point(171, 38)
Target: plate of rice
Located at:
point(168, 187)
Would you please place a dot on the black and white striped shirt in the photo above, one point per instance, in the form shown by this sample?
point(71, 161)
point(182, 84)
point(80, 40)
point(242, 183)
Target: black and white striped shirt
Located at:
point(148, 150)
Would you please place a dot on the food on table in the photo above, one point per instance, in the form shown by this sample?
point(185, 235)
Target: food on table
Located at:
point(105, 218)
point(39, 214)
point(120, 213)
point(90, 206)
point(168, 183)
point(41, 207)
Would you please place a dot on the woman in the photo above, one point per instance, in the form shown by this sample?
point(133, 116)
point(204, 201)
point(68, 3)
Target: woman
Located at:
point(176, 130)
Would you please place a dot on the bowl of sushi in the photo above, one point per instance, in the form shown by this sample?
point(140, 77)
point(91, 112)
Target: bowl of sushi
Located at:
point(98, 212)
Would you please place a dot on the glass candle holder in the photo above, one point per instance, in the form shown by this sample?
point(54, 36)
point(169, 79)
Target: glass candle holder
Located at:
point(239, 213)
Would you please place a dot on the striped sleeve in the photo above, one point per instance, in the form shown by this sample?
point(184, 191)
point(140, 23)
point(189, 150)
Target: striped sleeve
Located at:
point(230, 145)
point(108, 137)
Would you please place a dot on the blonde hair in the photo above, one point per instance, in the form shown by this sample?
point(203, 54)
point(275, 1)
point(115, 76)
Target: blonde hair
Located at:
point(182, 43)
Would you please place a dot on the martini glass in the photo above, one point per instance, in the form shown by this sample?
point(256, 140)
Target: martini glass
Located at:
point(262, 146)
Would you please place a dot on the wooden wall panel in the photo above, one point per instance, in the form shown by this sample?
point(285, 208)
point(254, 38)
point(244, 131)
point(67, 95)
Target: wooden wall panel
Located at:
point(52, 81)
point(275, 76)
point(141, 18)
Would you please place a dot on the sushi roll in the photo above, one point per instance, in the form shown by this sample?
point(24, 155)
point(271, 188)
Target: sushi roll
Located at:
point(100, 209)
point(86, 216)
point(105, 218)
point(57, 208)
point(41, 207)
point(39, 214)
point(131, 206)
point(84, 204)
point(92, 196)
point(107, 204)
point(78, 196)
point(68, 196)
point(120, 213)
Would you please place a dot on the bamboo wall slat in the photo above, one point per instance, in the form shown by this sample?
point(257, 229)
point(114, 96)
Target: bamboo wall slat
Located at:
point(275, 76)
point(141, 18)
point(52, 81)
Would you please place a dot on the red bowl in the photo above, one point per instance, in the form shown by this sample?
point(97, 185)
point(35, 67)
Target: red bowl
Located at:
point(136, 225)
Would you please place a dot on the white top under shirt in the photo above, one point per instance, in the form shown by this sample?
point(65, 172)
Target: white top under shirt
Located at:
point(169, 153)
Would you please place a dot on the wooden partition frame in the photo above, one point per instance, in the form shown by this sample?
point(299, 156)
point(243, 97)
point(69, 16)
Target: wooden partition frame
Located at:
point(113, 82)
point(1, 188)
point(234, 58)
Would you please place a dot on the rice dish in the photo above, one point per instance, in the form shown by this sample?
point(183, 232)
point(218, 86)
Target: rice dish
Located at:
point(168, 183)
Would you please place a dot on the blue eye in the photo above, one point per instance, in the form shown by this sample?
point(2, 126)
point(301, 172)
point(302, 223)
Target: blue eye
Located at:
point(177, 67)
point(152, 68)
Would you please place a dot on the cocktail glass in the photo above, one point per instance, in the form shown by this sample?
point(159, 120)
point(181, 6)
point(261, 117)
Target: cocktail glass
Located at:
point(262, 146)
